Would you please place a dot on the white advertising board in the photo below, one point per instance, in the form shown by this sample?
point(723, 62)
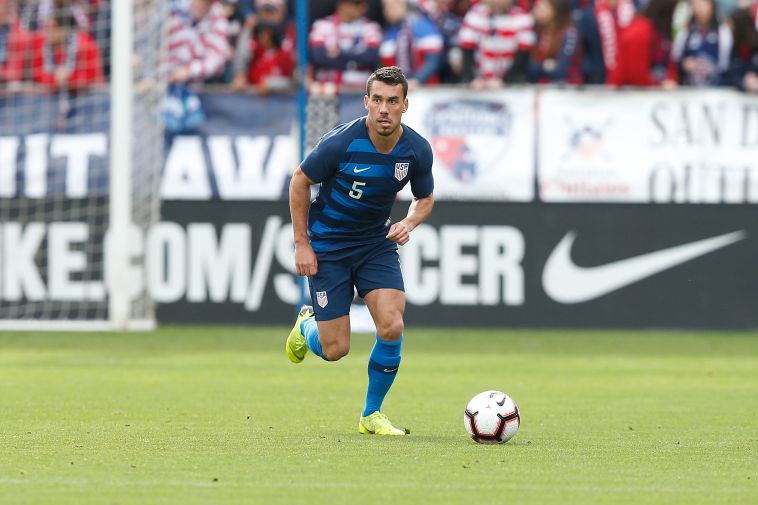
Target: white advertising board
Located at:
point(691, 146)
point(483, 142)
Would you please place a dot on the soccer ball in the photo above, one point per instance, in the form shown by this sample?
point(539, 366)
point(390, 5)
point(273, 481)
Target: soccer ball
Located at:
point(491, 417)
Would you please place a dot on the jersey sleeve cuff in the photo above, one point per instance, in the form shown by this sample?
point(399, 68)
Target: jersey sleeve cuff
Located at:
point(309, 173)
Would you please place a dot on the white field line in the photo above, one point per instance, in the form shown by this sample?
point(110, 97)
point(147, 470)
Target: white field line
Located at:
point(377, 485)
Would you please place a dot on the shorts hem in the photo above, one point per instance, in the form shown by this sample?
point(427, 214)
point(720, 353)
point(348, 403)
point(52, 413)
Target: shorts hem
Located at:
point(329, 317)
point(363, 292)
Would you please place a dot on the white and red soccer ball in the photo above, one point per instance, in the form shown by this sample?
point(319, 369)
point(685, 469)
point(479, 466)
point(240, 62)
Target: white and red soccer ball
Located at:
point(491, 417)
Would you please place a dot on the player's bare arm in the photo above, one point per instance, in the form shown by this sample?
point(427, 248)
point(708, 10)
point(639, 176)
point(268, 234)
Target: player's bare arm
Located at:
point(419, 210)
point(300, 199)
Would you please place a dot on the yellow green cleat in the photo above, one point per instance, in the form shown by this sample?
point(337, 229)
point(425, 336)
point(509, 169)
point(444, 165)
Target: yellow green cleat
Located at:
point(378, 424)
point(296, 347)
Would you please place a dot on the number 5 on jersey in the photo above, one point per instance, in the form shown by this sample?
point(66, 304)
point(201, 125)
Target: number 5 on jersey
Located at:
point(357, 192)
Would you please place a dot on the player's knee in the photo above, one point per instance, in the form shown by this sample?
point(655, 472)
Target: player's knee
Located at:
point(391, 330)
point(335, 351)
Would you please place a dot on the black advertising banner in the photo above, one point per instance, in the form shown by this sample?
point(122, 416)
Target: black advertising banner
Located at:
point(481, 264)
point(573, 265)
point(472, 264)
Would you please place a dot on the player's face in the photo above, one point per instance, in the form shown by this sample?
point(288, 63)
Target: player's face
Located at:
point(385, 107)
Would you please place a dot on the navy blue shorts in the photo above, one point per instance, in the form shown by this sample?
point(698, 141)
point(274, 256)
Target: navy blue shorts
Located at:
point(363, 268)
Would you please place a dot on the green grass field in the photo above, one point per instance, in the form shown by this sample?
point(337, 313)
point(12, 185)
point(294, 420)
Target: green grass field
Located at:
point(212, 415)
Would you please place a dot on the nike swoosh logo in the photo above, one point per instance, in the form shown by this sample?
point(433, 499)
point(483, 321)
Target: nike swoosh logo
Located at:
point(359, 170)
point(501, 402)
point(390, 370)
point(565, 282)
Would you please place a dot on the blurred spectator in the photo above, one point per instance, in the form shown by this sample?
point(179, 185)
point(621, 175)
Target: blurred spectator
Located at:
point(148, 63)
point(265, 55)
point(179, 5)
point(411, 42)
point(198, 49)
point(13, 44)
point(92, 10)
point(495, 37)
point(556, 58)
point(197, 43)
point(344, 46)
point(645, 48)
point(318, 9)
point(65, 56)
point(41, 10)
point(702, 51)
point(681, 20)
point(601, 24)
point(726, 7)
point(743, 64)
point(238, 14)
point(100, 14)
point(448, 16)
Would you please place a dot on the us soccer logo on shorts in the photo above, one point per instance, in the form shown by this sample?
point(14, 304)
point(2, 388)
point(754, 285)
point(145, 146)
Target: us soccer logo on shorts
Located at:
point(401, 170)
point(321, 299)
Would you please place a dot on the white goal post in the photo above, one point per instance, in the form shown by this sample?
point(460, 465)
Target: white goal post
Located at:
point(120, 209)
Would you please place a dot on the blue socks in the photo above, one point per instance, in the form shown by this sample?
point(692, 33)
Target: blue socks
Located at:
point(382, 369)
point(309, 328)
point(382, 364)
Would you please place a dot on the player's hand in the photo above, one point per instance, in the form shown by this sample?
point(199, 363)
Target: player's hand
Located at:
point(399, 233)
point(305, 260)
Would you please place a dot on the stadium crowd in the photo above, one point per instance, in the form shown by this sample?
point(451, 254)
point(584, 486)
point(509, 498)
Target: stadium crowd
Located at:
point(482, 43)
point(250, 44)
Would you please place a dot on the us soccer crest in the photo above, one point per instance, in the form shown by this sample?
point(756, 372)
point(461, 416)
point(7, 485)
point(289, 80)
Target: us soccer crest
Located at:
point(401, 170)
point(469, 137)
point(321, 299)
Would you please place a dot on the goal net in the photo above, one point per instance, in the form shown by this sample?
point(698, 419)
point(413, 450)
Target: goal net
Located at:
point(321, 116)
point(81, 150)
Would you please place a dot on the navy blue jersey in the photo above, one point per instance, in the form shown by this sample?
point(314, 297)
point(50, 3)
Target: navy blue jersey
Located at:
point(359, 184)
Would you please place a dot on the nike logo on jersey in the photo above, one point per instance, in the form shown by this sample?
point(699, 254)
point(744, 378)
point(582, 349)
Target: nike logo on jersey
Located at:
point(359, 170)
point(565, 282)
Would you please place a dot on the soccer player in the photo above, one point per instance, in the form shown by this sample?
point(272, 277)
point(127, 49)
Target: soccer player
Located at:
point(349, 241)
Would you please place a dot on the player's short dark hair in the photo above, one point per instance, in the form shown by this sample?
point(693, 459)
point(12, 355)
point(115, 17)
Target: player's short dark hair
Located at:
point(388, 75)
